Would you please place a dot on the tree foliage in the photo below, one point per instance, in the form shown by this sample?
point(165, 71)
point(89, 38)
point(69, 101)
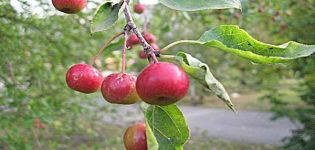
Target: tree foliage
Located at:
point(37, 50)
point(35, 53)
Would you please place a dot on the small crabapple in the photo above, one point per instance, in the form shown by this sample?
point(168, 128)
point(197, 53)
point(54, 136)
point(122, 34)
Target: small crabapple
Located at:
point(135, 137)
point(120, 88)
point(69, 6)
point(150, 38)
point(84, 78)
point(162, 84)
point(133, 40)
point(138, 8)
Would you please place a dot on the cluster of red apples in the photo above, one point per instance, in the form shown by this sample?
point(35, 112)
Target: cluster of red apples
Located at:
point(150, 38)
point(159, 83)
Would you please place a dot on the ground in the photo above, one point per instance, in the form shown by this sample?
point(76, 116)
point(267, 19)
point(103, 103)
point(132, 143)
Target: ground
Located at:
point(246, 101)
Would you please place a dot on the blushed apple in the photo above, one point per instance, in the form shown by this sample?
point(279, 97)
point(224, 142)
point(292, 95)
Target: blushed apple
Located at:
point(120, 88)
point(162, 84)
point(138, 8)
point(69, 6)
point(84, 78)
point(135, 137)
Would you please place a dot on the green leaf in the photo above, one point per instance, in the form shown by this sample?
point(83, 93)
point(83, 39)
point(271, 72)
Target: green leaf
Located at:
point(151, 140)
point(106, 16)
point(168, 126)
point(201, 72)
point(232, 39)
point(194, 5)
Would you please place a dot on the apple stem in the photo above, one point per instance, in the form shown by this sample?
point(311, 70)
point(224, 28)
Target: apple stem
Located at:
point(179, 42)
point(123, 56)
point(131, 24)
point(152, 54)
point(100, 51)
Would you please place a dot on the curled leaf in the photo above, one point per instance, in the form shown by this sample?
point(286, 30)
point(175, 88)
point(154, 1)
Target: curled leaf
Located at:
point(201, 72)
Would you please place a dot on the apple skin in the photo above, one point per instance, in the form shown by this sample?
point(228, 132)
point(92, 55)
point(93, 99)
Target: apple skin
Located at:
point(135, 137)
point(150, 38)
point(69, 6)
point(120, 88)
point(162, 84)
point(155, 46)
point(129, 45)
point(84, 78)
point(143, 55)
point(138, 8)
point(133, 40)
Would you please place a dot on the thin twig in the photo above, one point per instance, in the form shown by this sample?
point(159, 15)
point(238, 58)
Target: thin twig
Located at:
point(178, 42)
point(168, 56)
point(147, 47)
point(123, 62)
point(101, 50)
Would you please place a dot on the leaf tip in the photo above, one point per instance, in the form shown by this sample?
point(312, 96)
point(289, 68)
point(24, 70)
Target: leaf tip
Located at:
point(231, 106)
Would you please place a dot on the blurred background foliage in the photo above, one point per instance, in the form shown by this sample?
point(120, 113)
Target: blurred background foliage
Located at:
point(38, 44)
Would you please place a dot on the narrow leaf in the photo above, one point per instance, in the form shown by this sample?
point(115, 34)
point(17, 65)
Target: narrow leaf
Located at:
point(194, 5)
point(232, 39)
point(106, 16)
point(151, 140)
point(201, 72)
point(168, 126)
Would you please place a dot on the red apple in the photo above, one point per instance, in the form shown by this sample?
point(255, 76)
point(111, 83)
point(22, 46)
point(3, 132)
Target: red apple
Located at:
point(84, 78)
point(142, 54)
point(135, 137)
point(162, 84)
point(129, 45)
point(69, 6)
point(133, 40)
point(120, 88)
point(150, 38)
point(155, 46)
point(138, 8)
